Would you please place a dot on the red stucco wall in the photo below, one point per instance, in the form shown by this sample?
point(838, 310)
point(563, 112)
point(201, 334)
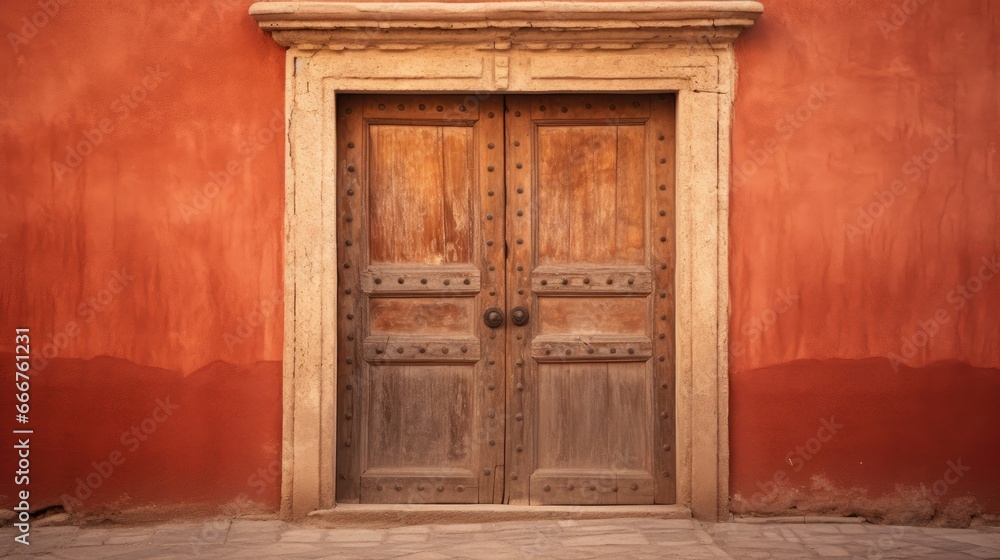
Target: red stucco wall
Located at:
point(141, 241)
point(152, 263)
point(865, 232)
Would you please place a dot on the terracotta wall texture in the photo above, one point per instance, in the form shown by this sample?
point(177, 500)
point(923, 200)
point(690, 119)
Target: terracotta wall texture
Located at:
point(141, 241)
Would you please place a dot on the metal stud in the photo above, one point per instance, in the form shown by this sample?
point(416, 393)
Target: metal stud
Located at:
point(422, 350)
point(663, 415)
point(520, 190)
point(612, 107)
point(519, 417)
point(491, 145)
point(519, 449)
point(487, 471)
point(349, 219)
point(422, 107)
point(547, 488)
point(492, 442)
point(347, 265)
point(545, 282)
point(490, 169)
point(592, 488)
point(663, 187)
point(399, 488)
point(461, 108)
point(440, 108)
point(466, 281)
point(519, 166)
point(347, 291)
point(634, 487)
point(349, 361)
point(571, 487)
point(517, 113)
point(444, 350)
point(520, 268)
point(423, 280)
point(588, 105)
point(447, 282)
point(400, 280)
point(590, 350)
point(520, 241)
point(489, 216)
point(662, 336)
point(513, 476)
point(399, 349)
point(631, 281)
point(666, 448)
point(586, 280)
point(440, 488)
point(635, 104)
point(541, 108)
point(613, 350)
point(350, 316)
point(400, 107)
point(350, 145)
point(490, 114)
point(378, 280)
point(348, 386)
point(631, 350)
point(466, 349)
point(381, 107)
point(663, 212)
point(663, 160)
point(350, 337)
point(350, 192)
point(565, 281)
point(568, 351)
point(520, 213)
point(490, 193)
point(378, 350)
point(661, 137)
point(491, 414)
point(663, 358)
point(610, 281)
point(663, 295)
point(420, 487)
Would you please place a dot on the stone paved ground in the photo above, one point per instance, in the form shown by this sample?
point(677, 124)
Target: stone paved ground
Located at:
point(575, 540)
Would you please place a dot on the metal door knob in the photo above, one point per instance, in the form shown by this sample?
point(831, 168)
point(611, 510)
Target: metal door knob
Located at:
point(493, 317)
point(519, 316)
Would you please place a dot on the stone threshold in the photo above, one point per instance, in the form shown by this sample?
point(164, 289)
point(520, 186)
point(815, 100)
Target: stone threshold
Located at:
point(391, 515)
point(799, 519)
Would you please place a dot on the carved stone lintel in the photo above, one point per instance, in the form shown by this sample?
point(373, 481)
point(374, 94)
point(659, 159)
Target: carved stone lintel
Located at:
point(370, 24)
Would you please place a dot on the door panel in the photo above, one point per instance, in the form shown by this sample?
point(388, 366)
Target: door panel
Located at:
point(590, 226)
point(420, 398)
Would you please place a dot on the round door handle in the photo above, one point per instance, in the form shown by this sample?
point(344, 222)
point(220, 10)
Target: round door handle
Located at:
point(519, 316)
point(493, 317)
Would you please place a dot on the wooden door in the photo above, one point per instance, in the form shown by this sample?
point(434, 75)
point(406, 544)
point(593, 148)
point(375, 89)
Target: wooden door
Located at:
point(570, 399)
point(590, 182)
point(421, 259)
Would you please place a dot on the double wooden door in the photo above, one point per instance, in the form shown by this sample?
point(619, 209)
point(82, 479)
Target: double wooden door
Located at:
point(505, 306)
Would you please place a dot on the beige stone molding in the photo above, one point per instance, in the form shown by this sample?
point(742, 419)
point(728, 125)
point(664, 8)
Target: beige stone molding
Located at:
point(682, 47)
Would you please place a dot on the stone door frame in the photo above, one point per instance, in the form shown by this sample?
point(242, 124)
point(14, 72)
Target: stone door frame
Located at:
point(683, 47)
